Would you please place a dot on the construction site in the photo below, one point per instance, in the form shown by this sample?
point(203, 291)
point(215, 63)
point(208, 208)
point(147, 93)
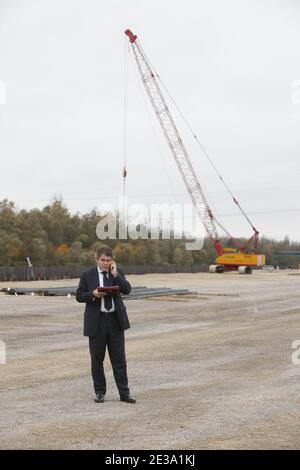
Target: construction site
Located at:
point(211, 369)
point(212, 271)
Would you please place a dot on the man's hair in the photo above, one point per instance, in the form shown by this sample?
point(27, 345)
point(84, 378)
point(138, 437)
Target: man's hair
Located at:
point(104, 250)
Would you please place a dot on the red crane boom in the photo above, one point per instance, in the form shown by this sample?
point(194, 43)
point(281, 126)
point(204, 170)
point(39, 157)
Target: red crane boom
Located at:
point(175, 143)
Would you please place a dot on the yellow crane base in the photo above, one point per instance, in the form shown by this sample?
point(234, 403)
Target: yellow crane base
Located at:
point(231, 260)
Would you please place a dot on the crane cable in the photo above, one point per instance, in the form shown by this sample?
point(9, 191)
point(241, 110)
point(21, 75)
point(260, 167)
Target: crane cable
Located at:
point(125, 97)
point(200, 145)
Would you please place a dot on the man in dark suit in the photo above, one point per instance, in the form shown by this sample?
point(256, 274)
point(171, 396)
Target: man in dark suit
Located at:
point(105, 320)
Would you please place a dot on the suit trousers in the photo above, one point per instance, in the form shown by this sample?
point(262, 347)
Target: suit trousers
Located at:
point(109, 334)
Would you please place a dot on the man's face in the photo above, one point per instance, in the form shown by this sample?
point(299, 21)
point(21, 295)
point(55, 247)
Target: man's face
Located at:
point(104, 262)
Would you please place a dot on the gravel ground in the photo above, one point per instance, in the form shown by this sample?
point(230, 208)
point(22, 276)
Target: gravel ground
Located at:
point(210, 371)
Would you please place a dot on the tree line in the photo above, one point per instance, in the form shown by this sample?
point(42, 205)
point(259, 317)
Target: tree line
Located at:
point(53, 236)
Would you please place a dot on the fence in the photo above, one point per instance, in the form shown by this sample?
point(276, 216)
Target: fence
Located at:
point(23, 273)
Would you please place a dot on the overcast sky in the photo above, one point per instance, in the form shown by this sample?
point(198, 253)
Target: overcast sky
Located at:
point(233, 68)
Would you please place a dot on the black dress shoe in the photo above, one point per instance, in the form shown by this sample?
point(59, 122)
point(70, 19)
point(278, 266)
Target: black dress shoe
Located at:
point(127, 398)
point(99, 398)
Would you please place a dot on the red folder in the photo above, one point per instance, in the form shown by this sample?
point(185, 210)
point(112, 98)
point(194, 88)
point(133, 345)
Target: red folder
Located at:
point(109, 289)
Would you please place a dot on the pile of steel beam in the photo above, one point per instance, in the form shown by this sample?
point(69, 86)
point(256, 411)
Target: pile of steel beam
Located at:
point(136, 292)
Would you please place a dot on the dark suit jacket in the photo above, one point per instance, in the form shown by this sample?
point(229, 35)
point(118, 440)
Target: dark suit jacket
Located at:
point(89, 281)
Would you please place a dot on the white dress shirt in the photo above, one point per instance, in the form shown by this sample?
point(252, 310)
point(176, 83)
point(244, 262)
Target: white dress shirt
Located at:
point(101, 284)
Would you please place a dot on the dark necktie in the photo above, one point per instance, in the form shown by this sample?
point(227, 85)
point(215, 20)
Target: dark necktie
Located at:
point(107, 297)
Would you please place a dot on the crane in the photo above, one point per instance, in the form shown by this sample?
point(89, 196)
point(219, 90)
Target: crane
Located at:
point(228, 259)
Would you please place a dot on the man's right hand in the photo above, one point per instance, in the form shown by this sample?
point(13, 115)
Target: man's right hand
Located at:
point(98, 295)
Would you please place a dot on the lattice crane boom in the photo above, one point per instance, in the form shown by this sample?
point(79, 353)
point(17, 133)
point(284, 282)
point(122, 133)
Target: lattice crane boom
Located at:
point(175, 143)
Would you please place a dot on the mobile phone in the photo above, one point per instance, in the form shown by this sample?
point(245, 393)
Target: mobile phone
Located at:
point(111, 262)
